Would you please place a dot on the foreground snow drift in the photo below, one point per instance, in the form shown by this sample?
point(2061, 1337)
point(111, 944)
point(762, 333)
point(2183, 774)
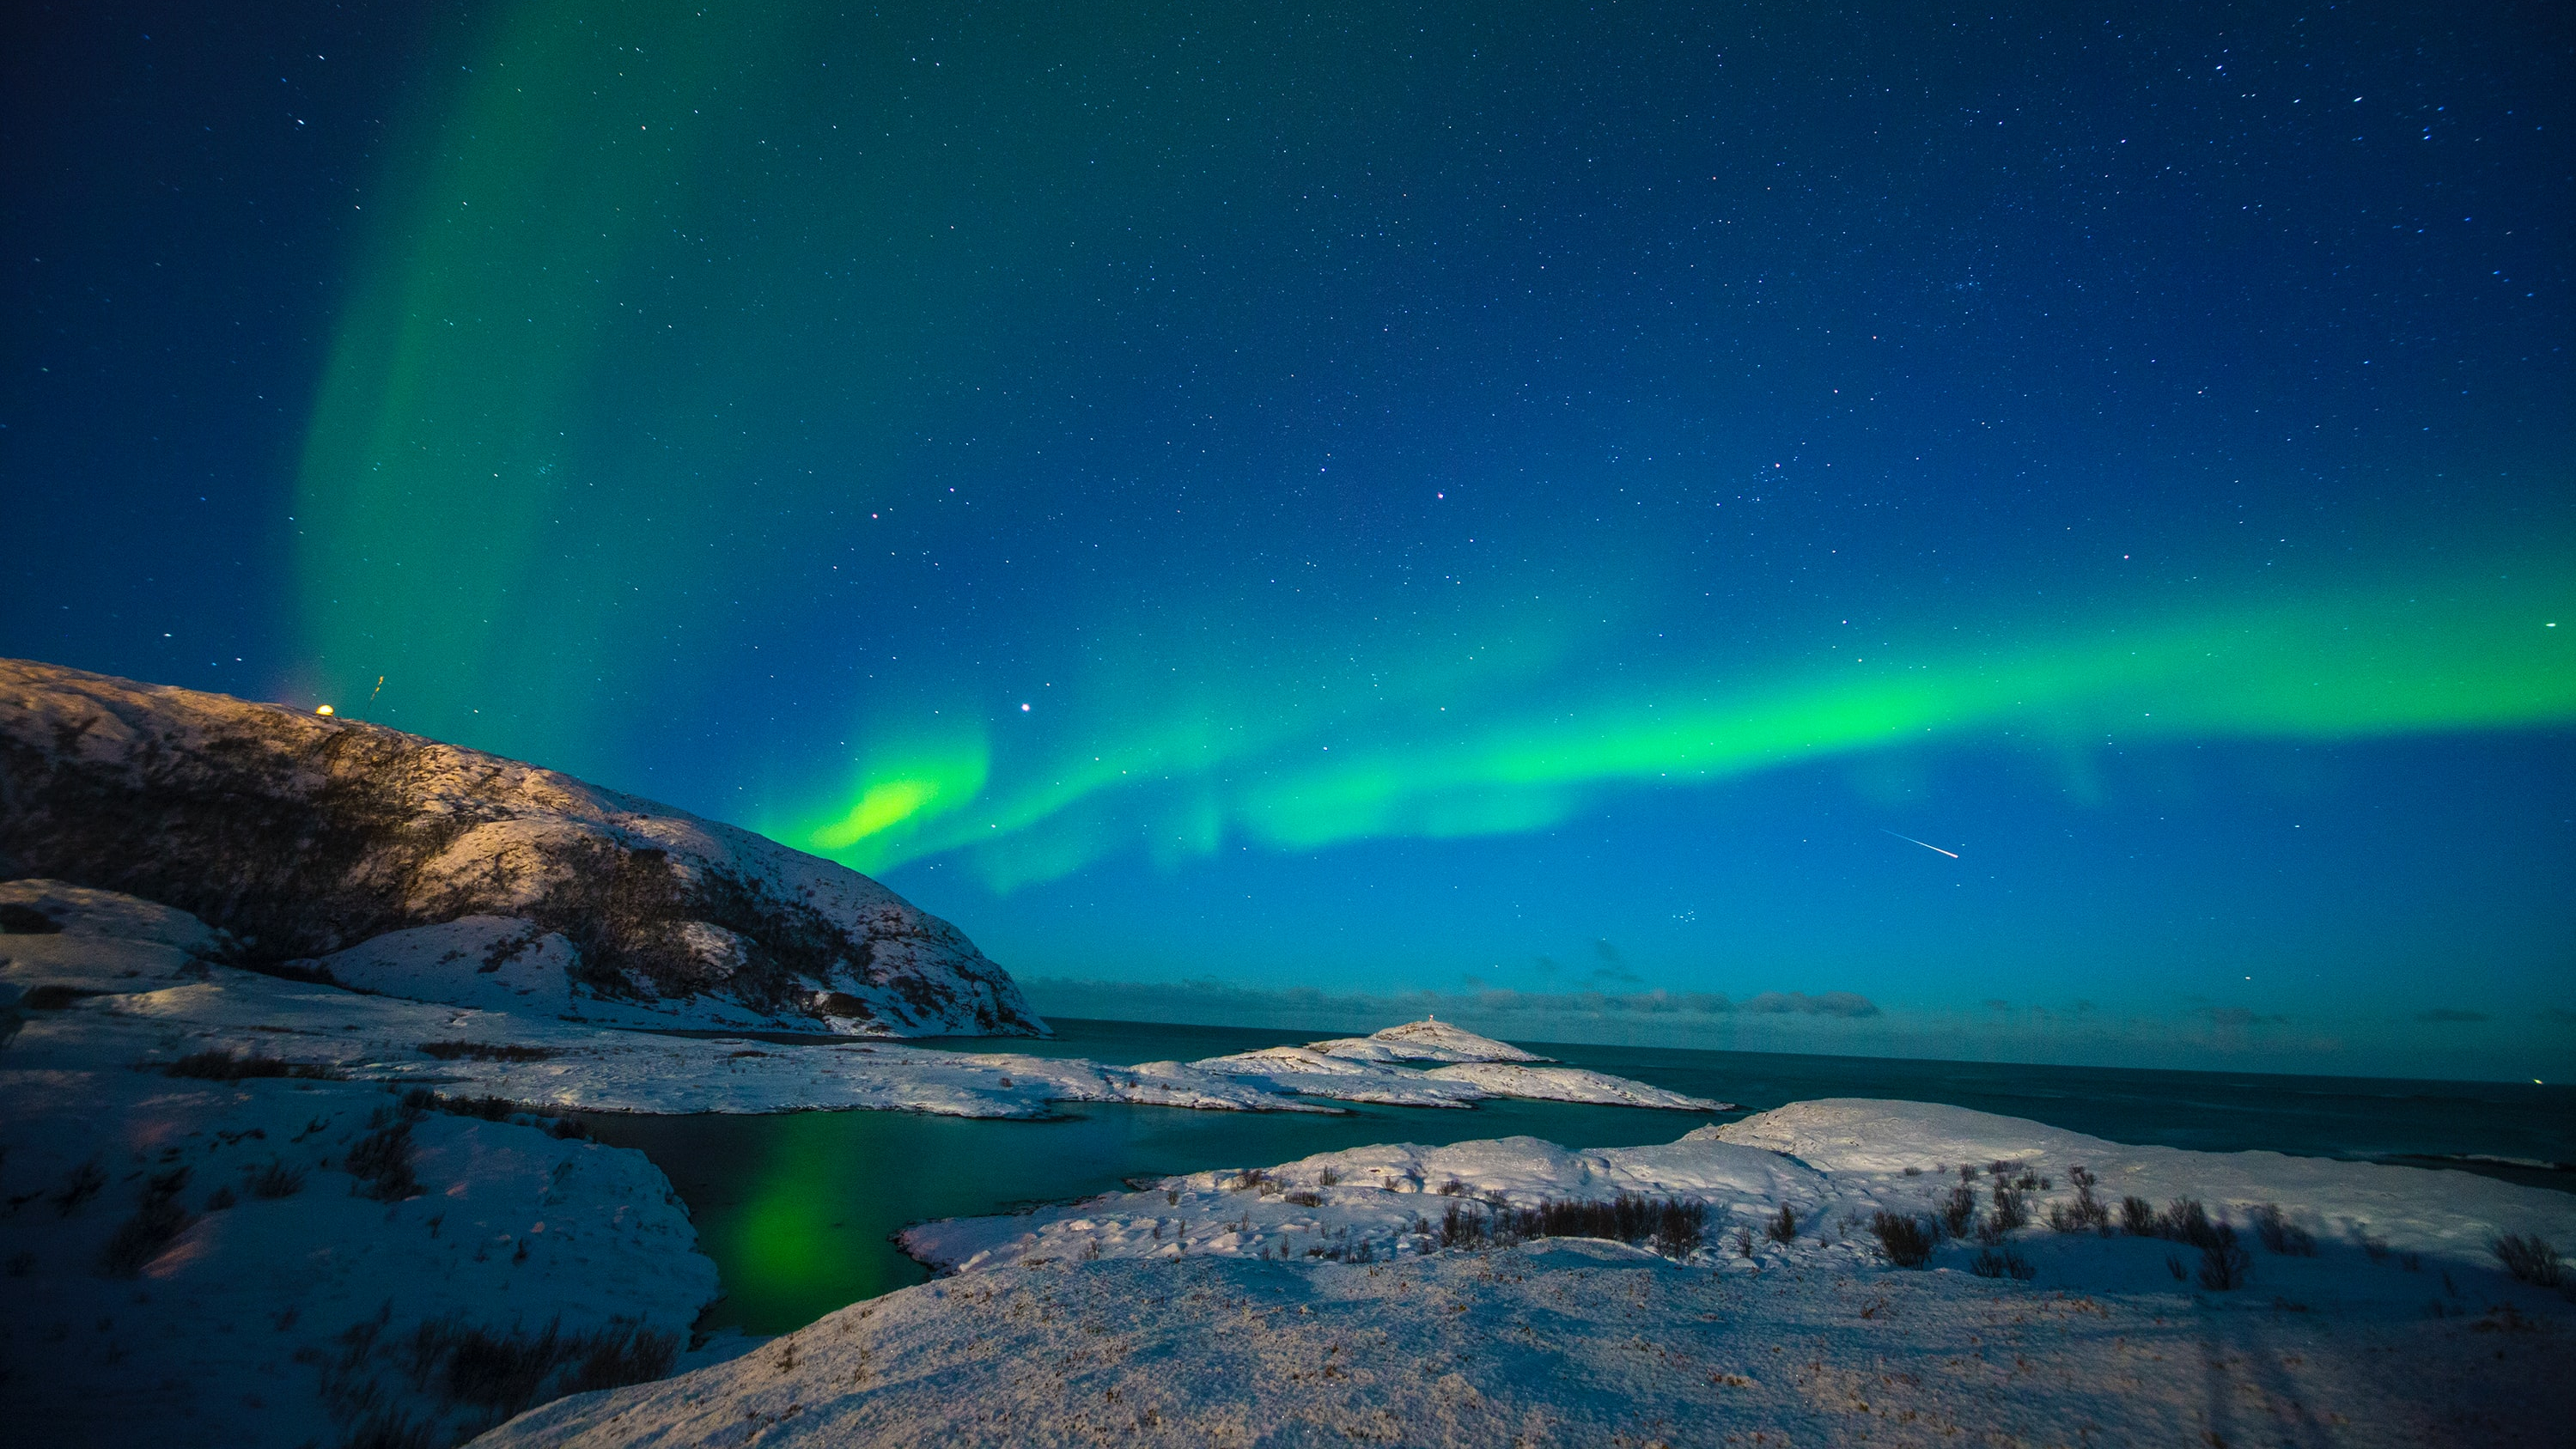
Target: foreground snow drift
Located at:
point(403, 865)
point(283, 1261)
point(1580, 1342)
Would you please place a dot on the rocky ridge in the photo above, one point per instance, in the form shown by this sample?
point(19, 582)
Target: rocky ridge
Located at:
point(353, 853)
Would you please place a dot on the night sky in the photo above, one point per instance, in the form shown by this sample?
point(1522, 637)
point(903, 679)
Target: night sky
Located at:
point(2038, 533)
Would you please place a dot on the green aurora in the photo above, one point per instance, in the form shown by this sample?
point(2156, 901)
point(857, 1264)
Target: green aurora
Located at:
point(2474, 658)
point(481, 487)
point(874, 435)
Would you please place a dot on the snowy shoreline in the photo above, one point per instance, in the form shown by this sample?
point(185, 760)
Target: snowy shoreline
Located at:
point(246, 1209)
point(302, 1213)
point(1337, 1297)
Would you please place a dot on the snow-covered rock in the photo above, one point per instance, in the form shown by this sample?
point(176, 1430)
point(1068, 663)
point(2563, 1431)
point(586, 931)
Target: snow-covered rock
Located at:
point(87, 1002)
point(310, 838)
point(1570, 1084)
point(496, 963)
point(1833, 1164)
point(1313, 1302)
point(193, 1262)
point(1367, 1069)
point(1427, 1040)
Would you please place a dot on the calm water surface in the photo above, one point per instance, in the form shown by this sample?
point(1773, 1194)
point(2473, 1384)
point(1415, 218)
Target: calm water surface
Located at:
point(798, 1209)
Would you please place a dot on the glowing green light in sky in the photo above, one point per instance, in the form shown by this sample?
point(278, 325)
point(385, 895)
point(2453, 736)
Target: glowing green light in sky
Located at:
point(608, 316)
point(2473, 656)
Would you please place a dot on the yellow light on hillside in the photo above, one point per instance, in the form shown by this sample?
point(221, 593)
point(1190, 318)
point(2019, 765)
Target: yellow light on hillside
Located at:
point(325, 709)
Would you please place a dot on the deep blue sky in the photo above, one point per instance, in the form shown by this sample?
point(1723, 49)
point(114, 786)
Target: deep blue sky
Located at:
point(1532, 500)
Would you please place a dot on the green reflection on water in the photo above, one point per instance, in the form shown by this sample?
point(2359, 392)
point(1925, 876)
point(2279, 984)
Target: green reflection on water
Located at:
point(799, 1209)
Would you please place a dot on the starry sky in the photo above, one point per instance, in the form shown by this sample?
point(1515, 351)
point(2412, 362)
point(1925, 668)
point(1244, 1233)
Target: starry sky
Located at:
point(2038, 533)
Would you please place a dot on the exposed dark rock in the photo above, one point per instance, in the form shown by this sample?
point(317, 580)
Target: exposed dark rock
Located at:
point(302, 836)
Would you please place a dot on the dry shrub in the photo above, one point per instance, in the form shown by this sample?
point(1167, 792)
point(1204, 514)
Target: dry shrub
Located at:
point(220, 1065)
point(381, 1161)
point(486, 1051)
point(2530, 1259)
point(276, 1180)
point(1904, 1238)
point(1960, 1212)
point(158, 1219)
point(2007, 1264)
point(2280, 1235)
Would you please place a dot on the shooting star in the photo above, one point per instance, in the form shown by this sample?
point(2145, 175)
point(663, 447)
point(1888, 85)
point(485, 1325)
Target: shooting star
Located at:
point(1910, 840)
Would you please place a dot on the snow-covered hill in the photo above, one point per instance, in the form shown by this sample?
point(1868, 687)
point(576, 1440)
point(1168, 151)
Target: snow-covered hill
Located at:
point(398, 864)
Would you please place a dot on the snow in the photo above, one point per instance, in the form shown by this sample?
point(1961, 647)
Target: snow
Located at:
point(138, 998)
point(1427, 1040)
point(1365, 1069)
point(333, 842)
point(506, 965)
point(1570, 1084)
point(238, 1330)
point(1077, 1325)
point(1310, 1299)
point(1238, 1307)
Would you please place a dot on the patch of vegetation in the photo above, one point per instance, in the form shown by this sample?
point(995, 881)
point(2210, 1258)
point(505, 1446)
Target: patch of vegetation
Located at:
point(158, 1219)
point(80, 1185)
point(487, 1109)
point(2006, 1264)
point(2086, 1213)
point(1674, 1227)
point(2224, 1266)
point(275, 1180)
point(2138, 1217)
point(507, 1373)
point(394, 1429)
point(2530, 1259)
point(220, 1065)
point(2280, 1235)
point(25, 920)
point(486, 1051)
point(1303, 1198)
point(1959, 1212)
point(382, 1163)
point(1907, 1243)
point(2010, 1211)
point(1783, 1228)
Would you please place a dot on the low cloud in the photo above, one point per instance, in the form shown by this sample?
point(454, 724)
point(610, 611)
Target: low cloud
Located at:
point(2238, 1016)
point(2450, 1013)
point(1529, 1015)
point(1798, 1003)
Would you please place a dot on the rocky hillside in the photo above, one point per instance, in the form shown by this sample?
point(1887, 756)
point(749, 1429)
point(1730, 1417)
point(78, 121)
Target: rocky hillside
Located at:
point(396, 863)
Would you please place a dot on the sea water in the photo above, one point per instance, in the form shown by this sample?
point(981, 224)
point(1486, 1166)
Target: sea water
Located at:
point(799, 1209)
